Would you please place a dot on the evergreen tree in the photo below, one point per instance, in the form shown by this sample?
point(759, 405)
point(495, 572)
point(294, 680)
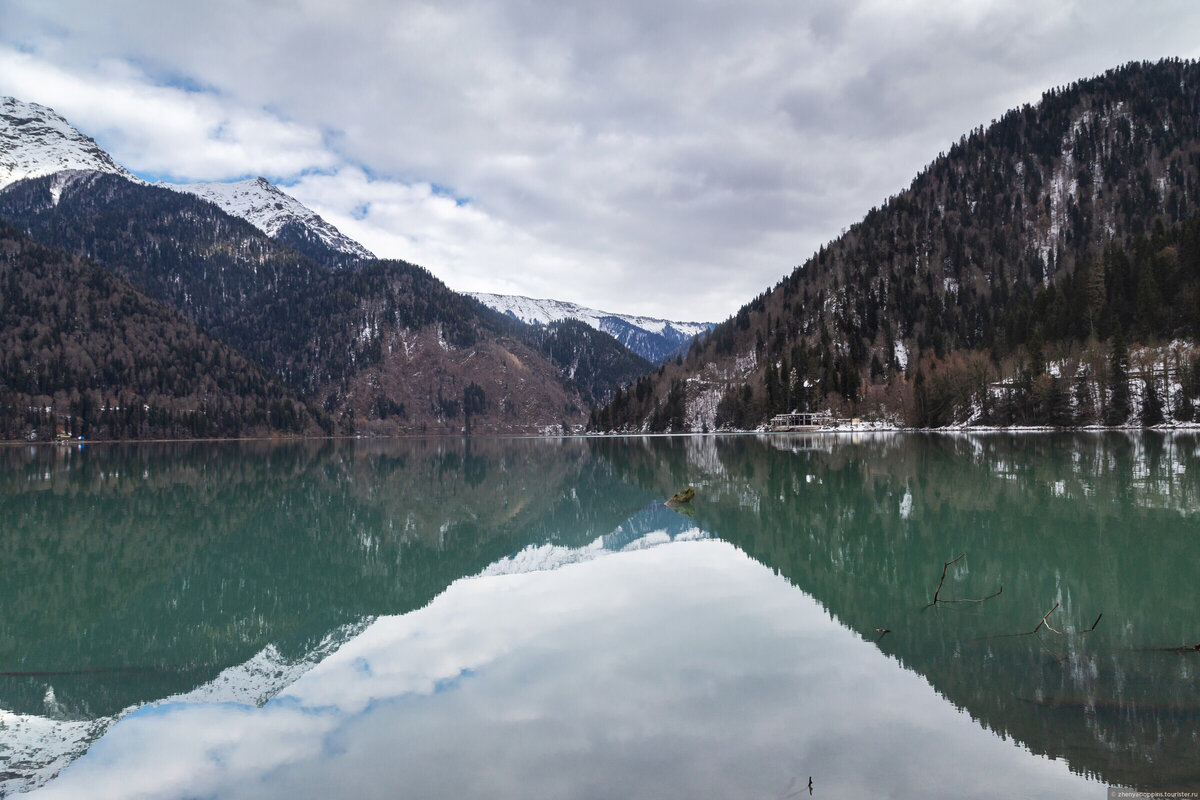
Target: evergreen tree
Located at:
point(473, 402)
point(1152, 410)
point(1117, 412)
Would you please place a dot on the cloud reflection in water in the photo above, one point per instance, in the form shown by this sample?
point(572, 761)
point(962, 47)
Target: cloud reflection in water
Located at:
point(685, 670)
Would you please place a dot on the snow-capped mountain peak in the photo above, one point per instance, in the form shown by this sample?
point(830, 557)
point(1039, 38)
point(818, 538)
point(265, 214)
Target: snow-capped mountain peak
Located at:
point(36, 141)
point(652, 338)
point(270, 209)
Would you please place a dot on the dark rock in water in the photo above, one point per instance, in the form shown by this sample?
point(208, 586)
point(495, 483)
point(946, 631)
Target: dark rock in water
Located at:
point(680, 498)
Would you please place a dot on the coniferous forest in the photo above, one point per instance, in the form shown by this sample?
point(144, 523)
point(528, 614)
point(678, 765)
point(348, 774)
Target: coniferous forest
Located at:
point(84, 354)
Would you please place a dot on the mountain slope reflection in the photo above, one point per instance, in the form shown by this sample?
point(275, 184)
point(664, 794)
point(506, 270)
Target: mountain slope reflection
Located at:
point(224, 572)
point(137, 573)
point(681, 671)
point(1098, 523)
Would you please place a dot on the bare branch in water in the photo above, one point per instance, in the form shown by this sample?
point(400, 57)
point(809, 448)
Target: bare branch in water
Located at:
point(937, 592)
point(1032, 632)
point(945, 567)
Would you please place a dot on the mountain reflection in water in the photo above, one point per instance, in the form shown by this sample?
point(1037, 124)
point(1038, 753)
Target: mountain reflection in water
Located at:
point(271, 576)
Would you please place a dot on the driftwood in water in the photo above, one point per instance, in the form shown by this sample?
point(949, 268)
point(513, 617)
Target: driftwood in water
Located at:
point(1044, 623)
point(1041, 623)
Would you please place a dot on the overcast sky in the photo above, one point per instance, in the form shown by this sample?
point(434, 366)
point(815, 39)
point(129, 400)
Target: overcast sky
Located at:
point(647, 156)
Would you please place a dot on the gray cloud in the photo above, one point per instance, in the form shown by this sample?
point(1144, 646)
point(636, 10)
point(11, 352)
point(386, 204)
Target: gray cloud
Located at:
point(601, 148)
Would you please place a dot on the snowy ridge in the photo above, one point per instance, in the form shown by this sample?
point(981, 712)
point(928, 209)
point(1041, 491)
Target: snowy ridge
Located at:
point(36, 141)
point(652, 338)
point(269, 208)
point(543, 312)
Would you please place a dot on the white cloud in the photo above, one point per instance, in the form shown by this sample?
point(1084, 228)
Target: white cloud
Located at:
point(671, 158)
point(161, 130)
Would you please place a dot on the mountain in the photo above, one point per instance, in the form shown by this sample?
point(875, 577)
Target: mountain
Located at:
point(592, 362)
point(655, 340)
point(35, 141)
point(282, 217)
point(1006, 276)
point(386, 347)
point(85, 354)
point(383, 348)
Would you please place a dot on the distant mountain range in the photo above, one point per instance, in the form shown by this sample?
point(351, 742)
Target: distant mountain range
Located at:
point(352, 344)
point(655, 340)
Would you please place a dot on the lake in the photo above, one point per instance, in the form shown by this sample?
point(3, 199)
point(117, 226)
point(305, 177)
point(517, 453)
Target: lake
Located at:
point(833, 615)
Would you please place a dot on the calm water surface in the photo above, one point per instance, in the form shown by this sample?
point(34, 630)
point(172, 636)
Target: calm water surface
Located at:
point(524, 618)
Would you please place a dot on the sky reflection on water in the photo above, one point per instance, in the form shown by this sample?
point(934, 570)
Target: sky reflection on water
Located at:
point(683, 670)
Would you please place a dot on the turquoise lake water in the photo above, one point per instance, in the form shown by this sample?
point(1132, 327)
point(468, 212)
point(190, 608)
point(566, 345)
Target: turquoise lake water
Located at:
point(525, 618)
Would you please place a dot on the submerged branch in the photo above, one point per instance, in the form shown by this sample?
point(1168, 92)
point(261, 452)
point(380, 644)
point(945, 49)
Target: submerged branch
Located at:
point(996, 593)
point(1042, 622)
point(945, 567)
point(937, 592)
point(1186, 648)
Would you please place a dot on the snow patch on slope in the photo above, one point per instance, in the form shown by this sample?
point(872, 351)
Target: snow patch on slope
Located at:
point(546, 557)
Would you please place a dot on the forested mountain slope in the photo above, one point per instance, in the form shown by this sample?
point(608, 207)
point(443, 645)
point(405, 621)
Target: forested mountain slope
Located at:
point(1017, 214)
point(83, 353)
point(385, 347)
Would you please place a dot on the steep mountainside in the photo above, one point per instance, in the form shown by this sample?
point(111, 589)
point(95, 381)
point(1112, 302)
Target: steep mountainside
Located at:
point(81, 352)
point(653, 339)
point(594, 363)
point(35, 141)
point(1009, 213)
point(282, 217)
